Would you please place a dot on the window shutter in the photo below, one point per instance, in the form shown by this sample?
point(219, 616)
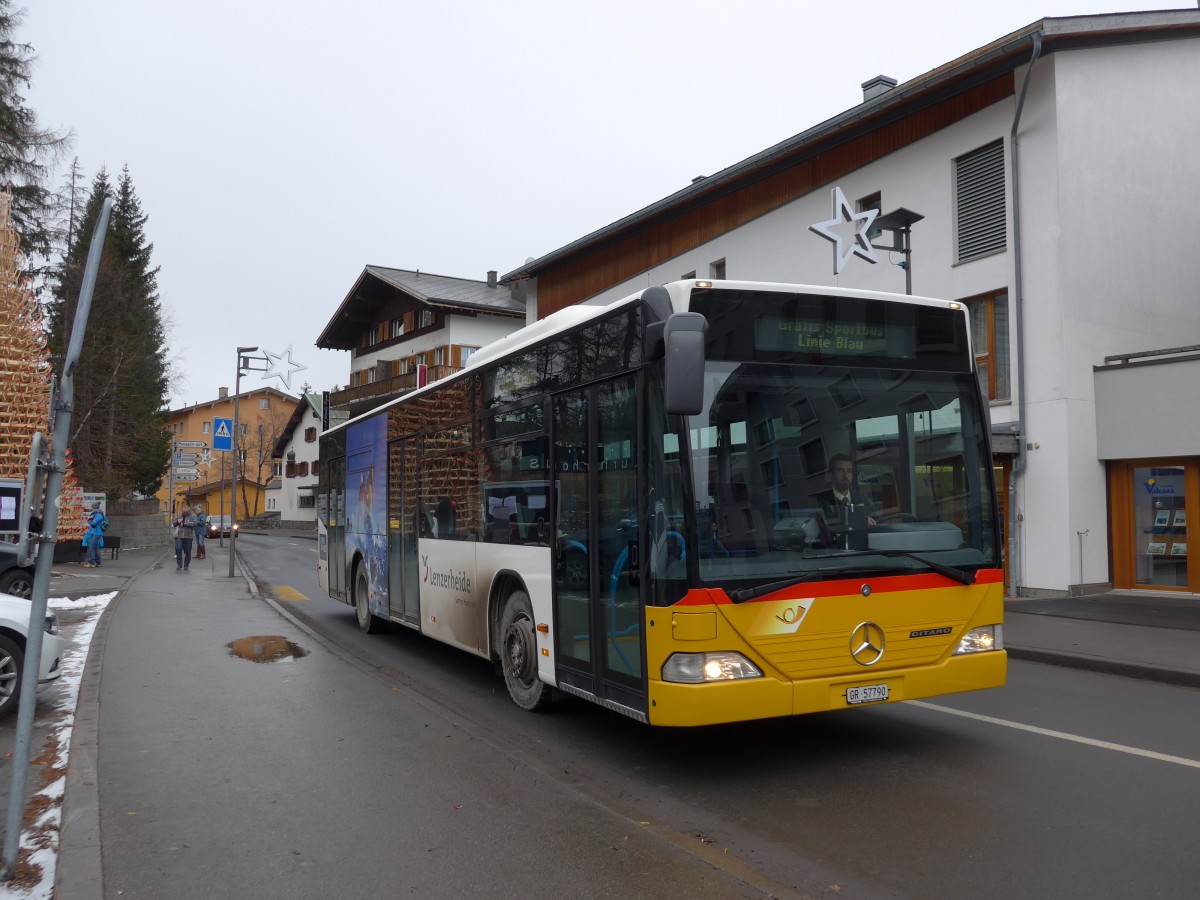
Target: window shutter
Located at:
point(979, 202)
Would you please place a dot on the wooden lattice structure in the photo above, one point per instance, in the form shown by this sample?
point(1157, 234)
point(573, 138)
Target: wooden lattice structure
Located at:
point(25, 373)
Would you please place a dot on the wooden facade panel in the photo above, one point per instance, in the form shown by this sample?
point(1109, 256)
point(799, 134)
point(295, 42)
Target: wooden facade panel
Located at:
point(674, 234)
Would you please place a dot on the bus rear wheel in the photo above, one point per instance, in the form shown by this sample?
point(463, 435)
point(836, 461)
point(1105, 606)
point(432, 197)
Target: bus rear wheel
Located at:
point(367, 623)
point(518, 654)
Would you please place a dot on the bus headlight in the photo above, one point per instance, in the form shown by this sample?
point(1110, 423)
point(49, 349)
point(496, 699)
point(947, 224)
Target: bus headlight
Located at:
point(697, 668)
point(978, 640)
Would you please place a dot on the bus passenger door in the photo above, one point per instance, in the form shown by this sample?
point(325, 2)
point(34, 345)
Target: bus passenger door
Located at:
point(336, 527)
point(598, 614)
point(402, 532)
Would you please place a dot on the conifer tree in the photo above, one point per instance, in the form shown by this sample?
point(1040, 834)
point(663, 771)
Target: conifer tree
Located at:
point(27, 151)
point(118, 434)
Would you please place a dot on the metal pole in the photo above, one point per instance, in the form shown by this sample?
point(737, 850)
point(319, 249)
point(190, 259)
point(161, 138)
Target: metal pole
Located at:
point(237, 396)
point(62, 407)
point(221, 522)
point(907, 262)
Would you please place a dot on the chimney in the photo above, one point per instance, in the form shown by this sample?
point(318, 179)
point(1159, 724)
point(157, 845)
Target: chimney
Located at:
point(491, 277)
point(223, 393)
point(877, 87)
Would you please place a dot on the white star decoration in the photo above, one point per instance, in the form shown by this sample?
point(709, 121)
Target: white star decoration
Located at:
point(205, 458)
point(280, 369)
point(831, 230)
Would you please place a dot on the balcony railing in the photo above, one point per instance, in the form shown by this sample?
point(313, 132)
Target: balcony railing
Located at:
point(365, 396)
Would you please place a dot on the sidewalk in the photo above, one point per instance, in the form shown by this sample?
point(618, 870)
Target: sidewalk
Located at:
point(1141, 635)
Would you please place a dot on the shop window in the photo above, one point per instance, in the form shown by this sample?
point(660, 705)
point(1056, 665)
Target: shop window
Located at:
point(989, 337)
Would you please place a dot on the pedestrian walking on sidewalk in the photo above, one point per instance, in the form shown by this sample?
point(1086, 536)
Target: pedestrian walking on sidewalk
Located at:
point(185, 530)
point(201, 531)
point(93, 539)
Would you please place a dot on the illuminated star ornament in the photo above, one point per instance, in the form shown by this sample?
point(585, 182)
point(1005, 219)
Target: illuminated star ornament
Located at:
point(832, 230)
point(280, 369)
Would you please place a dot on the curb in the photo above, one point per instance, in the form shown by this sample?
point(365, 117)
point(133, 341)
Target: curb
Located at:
point(79, 869)
point(1144, 671)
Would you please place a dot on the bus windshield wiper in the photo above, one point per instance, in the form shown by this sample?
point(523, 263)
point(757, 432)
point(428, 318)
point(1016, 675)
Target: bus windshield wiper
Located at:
point(962, 576)
point(811, 575)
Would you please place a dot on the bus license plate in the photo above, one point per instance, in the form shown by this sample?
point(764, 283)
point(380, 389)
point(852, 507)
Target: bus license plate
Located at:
point(867, 693)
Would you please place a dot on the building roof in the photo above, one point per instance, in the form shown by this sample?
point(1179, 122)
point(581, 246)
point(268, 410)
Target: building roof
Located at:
point(308, 401)
point(975, 68)
point(379, 286)
point(245, 393)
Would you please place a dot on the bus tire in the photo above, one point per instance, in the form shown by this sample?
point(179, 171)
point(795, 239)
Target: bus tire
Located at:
point(519, 654)
point(367, 622)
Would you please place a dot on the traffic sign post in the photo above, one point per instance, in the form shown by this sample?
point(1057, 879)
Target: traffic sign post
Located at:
point(191, 445)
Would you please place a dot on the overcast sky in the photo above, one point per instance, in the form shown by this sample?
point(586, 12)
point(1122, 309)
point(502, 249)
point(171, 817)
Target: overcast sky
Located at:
point(278, 147)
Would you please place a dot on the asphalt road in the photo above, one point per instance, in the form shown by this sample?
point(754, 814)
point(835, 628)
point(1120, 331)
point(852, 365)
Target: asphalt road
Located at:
point(1063, 784)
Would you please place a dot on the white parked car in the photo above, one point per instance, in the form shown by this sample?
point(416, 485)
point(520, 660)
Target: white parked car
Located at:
point(14, 634)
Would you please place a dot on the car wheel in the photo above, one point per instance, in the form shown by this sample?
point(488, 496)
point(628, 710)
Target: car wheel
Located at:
point(12, 664)
point(17, 582)
point(519, 655)
point(368, 623)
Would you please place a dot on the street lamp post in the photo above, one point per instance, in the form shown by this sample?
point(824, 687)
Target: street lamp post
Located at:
point(243, 362)
point(900, 221)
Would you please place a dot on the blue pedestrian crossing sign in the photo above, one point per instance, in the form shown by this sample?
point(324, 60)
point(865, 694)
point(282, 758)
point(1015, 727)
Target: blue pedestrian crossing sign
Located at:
point(222, 434)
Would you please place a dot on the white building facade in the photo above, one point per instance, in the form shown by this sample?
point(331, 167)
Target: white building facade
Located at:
point(296, 456)
point(1060, 211)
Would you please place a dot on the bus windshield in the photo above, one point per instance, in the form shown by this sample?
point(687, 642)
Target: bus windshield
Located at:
point(834, 471)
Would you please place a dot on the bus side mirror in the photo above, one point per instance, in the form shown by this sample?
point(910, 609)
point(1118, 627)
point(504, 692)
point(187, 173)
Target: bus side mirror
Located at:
point(683, 386)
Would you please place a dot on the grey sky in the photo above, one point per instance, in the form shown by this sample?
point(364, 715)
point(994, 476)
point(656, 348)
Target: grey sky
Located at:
point(278, 147)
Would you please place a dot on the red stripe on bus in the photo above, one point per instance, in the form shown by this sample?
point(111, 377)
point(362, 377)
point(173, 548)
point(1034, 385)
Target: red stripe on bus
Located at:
point(888, 584)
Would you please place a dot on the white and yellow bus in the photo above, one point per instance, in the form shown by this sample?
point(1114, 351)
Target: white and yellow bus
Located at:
point(630, 503)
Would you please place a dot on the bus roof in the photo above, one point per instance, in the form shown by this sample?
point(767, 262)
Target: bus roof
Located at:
point(573, 316)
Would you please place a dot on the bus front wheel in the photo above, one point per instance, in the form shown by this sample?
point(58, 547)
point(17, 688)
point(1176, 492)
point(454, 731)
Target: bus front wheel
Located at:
point(367, 623)
point(518, 654)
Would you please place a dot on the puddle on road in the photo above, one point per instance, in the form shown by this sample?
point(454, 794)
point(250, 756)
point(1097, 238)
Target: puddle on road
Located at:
point(265, 648)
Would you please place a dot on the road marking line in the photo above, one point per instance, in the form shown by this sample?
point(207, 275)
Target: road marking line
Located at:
point(288, 593)
point(1061, 735)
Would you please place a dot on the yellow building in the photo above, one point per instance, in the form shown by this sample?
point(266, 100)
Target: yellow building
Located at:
point(201, 475)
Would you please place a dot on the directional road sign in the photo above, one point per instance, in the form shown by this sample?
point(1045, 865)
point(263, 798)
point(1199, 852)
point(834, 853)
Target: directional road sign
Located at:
point(222, 434)
point(187, 477)
point(185, 470)
point(185, 459)
point(199, 445)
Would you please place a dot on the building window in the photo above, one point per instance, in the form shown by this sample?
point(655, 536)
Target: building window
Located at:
point(373, 336)
point(397, 327)
point(301, 470)
point(420, 359)
point(404, 367)
point(243, 429)
point(277, 469)
point(206, 428)
point(979, 207)
point(310, 434)
point(439, 356)
point(264, 403)
point(307, 501)
point(716, 270)
point(989, 338)
point(425, 318)
point(465, 353)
